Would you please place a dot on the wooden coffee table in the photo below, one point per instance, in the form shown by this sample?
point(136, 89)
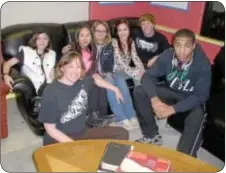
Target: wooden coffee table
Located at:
point(85, 156)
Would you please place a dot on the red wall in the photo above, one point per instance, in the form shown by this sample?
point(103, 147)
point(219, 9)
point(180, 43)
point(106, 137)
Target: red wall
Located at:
point(174, 18)
point(168, 17)
point(105, 11)
point(210, 49)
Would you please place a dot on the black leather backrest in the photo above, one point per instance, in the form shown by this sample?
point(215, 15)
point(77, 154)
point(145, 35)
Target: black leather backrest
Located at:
point(71, 29)
point(60, 34)
point(133, 21)
point(17, 35)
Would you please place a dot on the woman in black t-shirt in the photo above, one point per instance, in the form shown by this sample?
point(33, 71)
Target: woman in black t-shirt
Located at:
point(64, 105)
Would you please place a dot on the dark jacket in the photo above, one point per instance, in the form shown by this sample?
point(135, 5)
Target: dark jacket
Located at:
point(106, 58)
point(194, 81)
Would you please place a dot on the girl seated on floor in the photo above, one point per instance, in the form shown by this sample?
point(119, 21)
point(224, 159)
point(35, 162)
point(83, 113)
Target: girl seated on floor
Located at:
point(65, 102)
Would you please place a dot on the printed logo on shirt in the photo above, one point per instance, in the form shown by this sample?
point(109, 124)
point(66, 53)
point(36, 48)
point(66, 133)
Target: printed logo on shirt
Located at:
point(76, 108)
point(179, 82)
point(147, 46)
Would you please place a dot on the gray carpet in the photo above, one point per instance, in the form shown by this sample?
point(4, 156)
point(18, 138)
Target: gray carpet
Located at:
point(17, 148)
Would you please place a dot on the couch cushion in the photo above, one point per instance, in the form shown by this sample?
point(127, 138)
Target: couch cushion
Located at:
point(20, 34)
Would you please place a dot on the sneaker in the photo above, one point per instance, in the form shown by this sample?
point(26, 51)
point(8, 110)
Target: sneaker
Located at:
point(144, 139)
point(135, 122)
point(128, 124)
point(116, 124)
point(156, 140)
point(124, 124)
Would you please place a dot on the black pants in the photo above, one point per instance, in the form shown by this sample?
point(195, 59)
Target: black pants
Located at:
point(97, 101)
point(191, 137)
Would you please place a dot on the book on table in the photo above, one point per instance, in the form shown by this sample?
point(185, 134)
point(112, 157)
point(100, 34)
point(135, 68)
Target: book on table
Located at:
point(113, 156)
point(122, 158)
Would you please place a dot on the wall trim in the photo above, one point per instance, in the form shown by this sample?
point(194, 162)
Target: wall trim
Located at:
point(199, 37)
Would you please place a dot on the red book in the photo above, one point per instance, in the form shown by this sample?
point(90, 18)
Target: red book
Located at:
point(140, 162)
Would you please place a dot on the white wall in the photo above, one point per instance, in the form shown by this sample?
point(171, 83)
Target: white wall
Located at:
point(28, 12)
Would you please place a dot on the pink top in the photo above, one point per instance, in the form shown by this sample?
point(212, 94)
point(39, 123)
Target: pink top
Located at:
point(86, 59)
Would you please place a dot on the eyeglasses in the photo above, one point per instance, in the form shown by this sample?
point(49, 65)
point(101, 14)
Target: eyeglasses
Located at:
point(101, 31)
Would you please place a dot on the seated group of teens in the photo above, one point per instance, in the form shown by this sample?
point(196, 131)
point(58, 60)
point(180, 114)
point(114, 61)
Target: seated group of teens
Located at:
point(93, 71)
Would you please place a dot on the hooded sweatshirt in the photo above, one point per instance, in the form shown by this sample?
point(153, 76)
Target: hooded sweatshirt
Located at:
point(193, 78)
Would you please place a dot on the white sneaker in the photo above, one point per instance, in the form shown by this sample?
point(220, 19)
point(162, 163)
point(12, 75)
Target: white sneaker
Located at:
point(113, 124)
point(127, 124)
point(135, 122)
point(118, 124)
point(124, 124)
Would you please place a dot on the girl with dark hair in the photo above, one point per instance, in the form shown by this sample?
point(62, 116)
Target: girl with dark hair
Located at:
point(128, 64)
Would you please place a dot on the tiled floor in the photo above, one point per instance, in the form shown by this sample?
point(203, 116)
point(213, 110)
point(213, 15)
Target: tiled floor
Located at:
point(17, 148)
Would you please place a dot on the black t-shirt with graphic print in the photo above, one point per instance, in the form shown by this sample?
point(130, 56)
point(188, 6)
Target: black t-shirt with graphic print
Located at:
point(148, 47)
point(66, 106)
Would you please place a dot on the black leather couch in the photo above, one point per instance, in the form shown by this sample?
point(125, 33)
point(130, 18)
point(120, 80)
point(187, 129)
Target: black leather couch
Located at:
point(214, 128)
point(61, 35)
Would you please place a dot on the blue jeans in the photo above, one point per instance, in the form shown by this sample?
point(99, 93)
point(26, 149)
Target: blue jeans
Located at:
point(125, 76)
point(124, 110)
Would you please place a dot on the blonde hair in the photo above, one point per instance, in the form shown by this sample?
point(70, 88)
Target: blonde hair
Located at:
point(147, 17)
point(99, 22)
point(66, 59)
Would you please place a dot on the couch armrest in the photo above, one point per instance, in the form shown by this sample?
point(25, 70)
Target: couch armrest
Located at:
point(23, 85)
